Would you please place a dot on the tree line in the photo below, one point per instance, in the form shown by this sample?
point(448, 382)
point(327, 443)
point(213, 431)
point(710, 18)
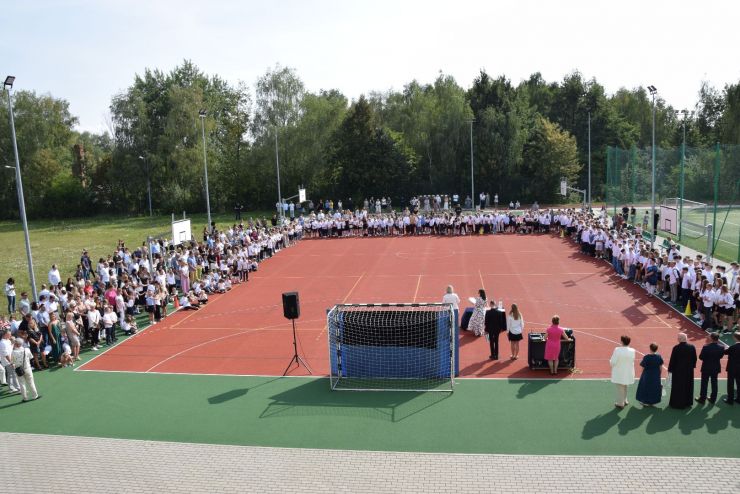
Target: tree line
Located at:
point(526, 136)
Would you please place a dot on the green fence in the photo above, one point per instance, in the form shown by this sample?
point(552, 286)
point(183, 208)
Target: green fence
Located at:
point(702, 186)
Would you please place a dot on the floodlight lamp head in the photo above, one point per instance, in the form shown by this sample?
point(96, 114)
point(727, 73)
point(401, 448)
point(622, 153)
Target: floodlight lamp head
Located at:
point(652, 90)
point(9, 80)
point(202, 113)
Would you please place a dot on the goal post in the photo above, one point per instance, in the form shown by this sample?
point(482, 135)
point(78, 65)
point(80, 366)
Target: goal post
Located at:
point(391, 347)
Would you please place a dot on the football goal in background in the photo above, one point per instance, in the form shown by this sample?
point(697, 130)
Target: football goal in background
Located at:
point(391, 347)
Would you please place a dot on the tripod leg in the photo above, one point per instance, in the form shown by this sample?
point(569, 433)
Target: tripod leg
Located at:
point(301, 361)
point(290, 364)
point(296, 358)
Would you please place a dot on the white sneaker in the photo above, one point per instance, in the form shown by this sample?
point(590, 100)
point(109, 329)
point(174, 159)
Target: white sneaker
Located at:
point(95, 348)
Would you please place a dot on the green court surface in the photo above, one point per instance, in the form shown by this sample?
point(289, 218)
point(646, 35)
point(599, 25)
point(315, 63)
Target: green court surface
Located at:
point(481, 416)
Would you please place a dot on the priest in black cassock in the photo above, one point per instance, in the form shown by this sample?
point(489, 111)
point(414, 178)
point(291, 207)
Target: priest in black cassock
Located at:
point(681, 367)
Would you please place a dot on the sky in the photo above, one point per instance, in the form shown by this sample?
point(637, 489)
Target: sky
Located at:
point(87, 51)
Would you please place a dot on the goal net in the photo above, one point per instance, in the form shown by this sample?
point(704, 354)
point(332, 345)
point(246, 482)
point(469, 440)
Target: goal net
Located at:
point(391, 347)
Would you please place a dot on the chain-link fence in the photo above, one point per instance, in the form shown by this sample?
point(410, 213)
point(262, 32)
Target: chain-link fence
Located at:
point(694, 188)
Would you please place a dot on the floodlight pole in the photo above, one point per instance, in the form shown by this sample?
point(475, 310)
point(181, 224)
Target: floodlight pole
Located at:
point(148, 183)
point(202, 115)
point(653, 92)
point(681, 178)
point(472, 172)
point(19, 185)
point(589, 159)
point(277, 166)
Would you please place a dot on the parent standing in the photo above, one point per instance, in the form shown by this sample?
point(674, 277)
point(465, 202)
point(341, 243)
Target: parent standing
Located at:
point(21, 358)
point(681, 366)
point(649, 389)
point(73, 335)
point(6, 351)
point(623, 370)
point(554, 336)
point(10, 294)
point(478, 319)
point(710, 356)
point(733, 370)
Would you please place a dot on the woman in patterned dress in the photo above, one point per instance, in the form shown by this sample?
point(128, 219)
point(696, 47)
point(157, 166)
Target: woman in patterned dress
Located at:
point(478, 319)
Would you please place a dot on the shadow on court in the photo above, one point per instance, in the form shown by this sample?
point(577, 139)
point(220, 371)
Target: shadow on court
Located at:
point(236, 393)
point(657, 420)
point(315, 398)
point(532, 386)
point(227, 396)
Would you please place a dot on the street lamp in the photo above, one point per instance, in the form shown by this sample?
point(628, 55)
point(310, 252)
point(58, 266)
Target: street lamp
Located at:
point(472, 172)
point(277, 166)
point(8, 85)
point(685, 113)
point(202, 115)
point(148, 183)
point(653, 92)
point(589, 159)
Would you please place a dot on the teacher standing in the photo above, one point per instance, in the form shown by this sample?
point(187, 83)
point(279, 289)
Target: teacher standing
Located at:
point(515, 329)
point(623, 370)
point(554, 336)
point(450, 297)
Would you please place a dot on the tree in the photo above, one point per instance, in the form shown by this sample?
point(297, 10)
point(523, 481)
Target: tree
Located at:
point(157, 118)
point(502, 118)
point(367, 160)
point(44, 133)
point(279, 94)
point(550, 154)
point(432, 120)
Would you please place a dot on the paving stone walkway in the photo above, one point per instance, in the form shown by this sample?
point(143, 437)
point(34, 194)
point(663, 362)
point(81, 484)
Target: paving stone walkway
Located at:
point(118, 466)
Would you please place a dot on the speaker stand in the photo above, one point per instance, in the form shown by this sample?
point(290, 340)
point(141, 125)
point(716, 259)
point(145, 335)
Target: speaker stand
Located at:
point(296, 358)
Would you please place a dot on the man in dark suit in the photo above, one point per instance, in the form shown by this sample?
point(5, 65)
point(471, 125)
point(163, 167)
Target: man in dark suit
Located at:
point(710, 357)
point(733, 369)
point(495, 324)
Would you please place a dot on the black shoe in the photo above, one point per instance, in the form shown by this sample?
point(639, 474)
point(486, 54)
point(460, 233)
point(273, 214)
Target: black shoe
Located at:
point(700, 400)
point(728, 401)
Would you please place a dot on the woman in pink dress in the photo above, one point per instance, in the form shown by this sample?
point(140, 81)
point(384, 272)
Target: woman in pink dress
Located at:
point(555, 335)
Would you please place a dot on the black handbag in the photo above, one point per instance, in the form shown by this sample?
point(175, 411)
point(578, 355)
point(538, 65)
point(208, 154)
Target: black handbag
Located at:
point(19, 371)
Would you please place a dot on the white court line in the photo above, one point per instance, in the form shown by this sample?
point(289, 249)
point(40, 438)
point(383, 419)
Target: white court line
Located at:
point(138, 333)
point(416, 292)
point(218, 339)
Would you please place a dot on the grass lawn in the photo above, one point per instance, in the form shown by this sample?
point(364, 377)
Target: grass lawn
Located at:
point(62, 241)
point(727, 240)
point(727, 243)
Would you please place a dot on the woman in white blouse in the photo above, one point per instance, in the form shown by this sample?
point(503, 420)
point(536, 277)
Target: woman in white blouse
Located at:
point(623, 370)
point(514, 330)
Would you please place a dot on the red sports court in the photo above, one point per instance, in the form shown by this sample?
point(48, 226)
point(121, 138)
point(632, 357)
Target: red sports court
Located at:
point(244, 332)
